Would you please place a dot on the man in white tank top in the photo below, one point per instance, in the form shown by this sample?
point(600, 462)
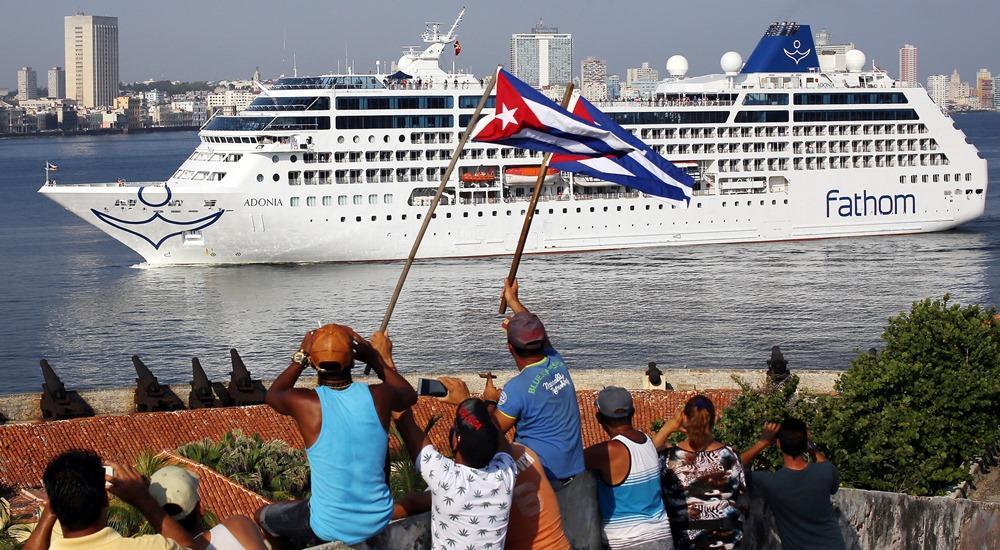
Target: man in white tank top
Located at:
point(628, 478)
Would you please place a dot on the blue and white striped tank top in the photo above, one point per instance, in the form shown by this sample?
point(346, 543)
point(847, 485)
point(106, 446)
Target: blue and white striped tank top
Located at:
point(632, 512)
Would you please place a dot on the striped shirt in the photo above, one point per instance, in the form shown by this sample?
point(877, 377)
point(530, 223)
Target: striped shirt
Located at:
point(632, 512)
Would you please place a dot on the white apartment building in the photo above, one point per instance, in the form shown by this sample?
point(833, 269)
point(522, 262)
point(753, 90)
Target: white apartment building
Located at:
point(197, 108)
point(91, 53)
point(57, 83)
point(594, 79)
point(543, 57)
point(230, 101)
point(645, 73)
point(27, 84)
point(937, 87)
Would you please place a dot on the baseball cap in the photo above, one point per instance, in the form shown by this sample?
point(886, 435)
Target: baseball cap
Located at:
point(332, 344)
point(525, 330)
point(614, 402)
point(177, 486)
point(478, 436)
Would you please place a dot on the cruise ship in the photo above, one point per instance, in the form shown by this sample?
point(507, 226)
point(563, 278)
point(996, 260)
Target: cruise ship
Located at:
point(341, 167)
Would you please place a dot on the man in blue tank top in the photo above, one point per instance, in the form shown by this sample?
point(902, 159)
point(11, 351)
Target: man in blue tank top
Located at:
point(344, 426)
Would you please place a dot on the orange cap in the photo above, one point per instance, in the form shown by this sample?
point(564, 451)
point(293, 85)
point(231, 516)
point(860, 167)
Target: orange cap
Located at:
point(332, 344)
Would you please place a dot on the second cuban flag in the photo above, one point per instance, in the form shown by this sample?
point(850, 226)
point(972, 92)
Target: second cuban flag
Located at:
point(585, 141)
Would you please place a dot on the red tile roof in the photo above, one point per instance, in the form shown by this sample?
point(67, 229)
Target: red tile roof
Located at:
point(25, 449)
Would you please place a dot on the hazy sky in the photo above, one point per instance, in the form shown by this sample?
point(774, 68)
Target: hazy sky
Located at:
point(217, 39)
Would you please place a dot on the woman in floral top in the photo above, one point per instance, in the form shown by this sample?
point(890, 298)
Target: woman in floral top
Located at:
point(701, 480)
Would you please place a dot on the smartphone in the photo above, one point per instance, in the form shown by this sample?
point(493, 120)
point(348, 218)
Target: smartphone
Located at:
point(431, 387)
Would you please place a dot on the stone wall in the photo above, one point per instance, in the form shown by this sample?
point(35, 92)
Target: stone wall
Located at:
point(869, 520)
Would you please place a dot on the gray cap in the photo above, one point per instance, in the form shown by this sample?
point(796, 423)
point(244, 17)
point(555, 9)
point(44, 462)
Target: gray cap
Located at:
point(615, 402)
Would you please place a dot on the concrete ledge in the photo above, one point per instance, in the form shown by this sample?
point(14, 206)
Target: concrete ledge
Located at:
point(24, 407)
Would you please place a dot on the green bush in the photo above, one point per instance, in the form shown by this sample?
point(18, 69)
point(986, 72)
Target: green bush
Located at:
point(906, 419)
point(910, 417)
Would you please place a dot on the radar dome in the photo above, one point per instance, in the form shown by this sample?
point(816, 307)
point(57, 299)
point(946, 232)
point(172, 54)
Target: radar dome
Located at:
point(677, 66)
point(855, 60)
point(731, 63)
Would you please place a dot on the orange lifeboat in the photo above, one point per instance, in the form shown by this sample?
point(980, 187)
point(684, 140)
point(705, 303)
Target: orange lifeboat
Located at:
point(479, 176)
point(528, 174)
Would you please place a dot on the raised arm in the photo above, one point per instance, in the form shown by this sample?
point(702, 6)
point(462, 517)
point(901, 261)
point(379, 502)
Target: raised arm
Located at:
point(41, 535)
point(283, 396)
point(378, 354)
point(766, 439)
point(668, 429)
point(510, 289)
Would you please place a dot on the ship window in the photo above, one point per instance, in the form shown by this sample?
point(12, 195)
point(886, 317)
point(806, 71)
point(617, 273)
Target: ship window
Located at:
point(294, 158)
point(913, 179)
point(465, 214)
point(373, 199)
point(357, 199)
point(310, 201)
point(342, 82)
point(761, 116)
point(387, 198)
point(968, 177)
point(342, 200)
point(274, 158)
point(923, 178)
point(394, 121)
point(198, 176)
point(671, 117)
point(268, 103)
point(470, 102)
point(275, 177)
point(947, 177)
point(357, 219)
point(260, 177)
point(902, 179)
point(855, 115)
point(935, 179)
point(294, 201)
point(850, 98)
point(327, 201)
point(766, 99)
point(394, 103)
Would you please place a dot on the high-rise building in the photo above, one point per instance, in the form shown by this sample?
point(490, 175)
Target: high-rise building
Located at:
point(91, 44)
point(27, 84)
point(614, 87)
point(984, 88)
point(937, 87)
point(954, 87)
point(594, 79)
point(996, 93)
point(543, 57)
point(908, 65)
point(822, 37)
point(57, 83)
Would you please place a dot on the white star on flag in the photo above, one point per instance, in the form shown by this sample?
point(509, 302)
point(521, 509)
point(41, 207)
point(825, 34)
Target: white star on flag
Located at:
point(507, 116)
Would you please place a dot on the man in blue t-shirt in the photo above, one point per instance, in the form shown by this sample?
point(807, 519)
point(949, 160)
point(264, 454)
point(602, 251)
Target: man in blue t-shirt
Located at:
point(541, 403)
point(541, 400)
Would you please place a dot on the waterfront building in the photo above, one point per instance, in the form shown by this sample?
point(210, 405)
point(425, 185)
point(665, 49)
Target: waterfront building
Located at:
point(57, 83)
point(832, 57)
point(937, 87)
point(954, 88)
point(542, 57)
point(614, 87)
point(229, 102)
point(197, 108)
point(594, 79)
point(91, 53)
point(822, 37)
point(908, 65)
point(27, 84)
point(984, 89)
point(155, 97)
point(134, 108)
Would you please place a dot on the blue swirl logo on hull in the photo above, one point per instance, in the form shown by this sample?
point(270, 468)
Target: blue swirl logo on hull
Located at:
point(157, 228)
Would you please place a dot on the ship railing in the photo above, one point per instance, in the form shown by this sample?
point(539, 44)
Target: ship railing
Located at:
point(120, 183)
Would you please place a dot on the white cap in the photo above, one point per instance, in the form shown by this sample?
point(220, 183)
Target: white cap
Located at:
point(177, 486)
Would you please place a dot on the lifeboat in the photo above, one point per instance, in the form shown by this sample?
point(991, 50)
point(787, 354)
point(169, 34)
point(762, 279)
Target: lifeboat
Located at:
point(479, 176)
point(528, 174)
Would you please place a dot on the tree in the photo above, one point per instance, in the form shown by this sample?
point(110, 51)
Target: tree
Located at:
point(909, 418)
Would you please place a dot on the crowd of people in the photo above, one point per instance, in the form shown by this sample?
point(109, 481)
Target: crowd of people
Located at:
point(676, 488)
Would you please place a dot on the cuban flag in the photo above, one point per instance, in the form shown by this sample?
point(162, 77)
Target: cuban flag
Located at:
point(527, 119)
point(642, 168)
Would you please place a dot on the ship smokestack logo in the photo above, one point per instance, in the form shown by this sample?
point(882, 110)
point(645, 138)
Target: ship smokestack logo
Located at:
point(156, 229)
point(797, 55)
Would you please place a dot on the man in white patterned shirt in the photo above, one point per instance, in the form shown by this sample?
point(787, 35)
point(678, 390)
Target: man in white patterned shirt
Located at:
point(470, 494)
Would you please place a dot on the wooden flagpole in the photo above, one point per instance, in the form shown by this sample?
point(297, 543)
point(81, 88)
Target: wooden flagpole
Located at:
point(530, 214)
point(437, 198)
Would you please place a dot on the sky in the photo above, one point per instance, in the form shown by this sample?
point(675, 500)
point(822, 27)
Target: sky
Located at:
point(227, 39)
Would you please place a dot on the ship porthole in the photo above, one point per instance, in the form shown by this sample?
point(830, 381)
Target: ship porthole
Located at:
point(293, 158)
point(274, 159)
point(275, 177)
point(385, 139)
point(340, 139)
point(357, 139)
point(260, 177)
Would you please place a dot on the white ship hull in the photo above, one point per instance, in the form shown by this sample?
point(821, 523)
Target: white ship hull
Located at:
point(776, 156)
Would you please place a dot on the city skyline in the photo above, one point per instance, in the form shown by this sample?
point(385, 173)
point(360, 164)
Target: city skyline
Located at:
point(218, 41)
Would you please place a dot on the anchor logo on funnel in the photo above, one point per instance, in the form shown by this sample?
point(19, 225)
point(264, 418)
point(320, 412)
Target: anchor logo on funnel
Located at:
point(797, 55)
